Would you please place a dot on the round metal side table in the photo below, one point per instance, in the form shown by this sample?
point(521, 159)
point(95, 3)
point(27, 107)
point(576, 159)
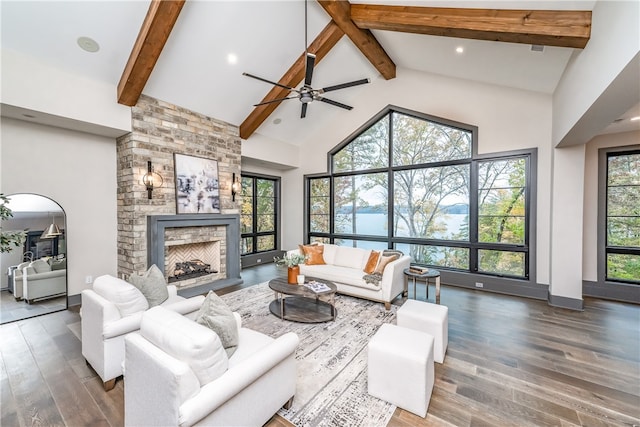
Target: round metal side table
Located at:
point(425, 277)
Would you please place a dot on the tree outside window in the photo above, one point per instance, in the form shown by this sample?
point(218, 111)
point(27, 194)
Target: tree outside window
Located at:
point(623, 217)
point(258, 214)
point(405, 181)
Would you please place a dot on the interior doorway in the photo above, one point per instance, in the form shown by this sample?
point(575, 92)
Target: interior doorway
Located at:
point(34, 276)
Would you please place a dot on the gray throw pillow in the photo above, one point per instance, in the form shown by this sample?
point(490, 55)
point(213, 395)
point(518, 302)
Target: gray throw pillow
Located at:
point(152, 285)
point(217, 316)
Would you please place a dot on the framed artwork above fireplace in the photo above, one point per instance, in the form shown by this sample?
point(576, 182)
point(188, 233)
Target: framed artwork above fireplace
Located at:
point(197, 185)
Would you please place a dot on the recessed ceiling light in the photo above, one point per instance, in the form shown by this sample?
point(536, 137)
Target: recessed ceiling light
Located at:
point(636, 118)
point(277, 121)
point(459, 49)
point(88, 44)
point(232, 58)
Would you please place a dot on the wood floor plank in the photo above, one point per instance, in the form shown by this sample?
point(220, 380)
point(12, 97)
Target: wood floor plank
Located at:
point(76, 406)
point(9, 415)
point(510, 362)
point(110, 403)
point(580, 402)
point(34, 402)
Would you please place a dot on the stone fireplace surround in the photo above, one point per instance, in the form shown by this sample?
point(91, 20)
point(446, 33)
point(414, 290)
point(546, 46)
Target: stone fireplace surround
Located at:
point(156, 225)
point(158, 131)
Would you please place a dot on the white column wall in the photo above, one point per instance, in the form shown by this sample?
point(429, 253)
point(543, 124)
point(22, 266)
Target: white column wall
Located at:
point(566, 223)
point(615, 41)
point(78, 171)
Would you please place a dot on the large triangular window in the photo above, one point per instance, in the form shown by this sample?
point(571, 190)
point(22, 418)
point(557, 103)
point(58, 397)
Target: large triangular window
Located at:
point(413, 182)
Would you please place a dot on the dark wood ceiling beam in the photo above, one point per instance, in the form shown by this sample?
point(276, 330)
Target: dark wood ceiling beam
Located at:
point(322, 44)
point(363, 39)
point(563, 28)
point(153, 35)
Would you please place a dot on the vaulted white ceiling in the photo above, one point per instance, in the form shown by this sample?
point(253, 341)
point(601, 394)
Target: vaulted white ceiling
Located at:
point(193, 70)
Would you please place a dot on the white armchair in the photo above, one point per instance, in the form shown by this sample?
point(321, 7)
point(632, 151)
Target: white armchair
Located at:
point(17, 280)
point(193, 381)
point(107, 317)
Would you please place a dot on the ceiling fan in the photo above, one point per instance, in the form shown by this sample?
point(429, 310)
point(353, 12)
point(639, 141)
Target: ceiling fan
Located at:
point(307, 94)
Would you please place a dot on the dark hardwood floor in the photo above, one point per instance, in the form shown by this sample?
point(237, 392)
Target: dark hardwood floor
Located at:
point(510, 362)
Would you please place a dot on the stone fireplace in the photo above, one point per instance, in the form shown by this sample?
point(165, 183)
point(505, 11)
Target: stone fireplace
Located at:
point(210, 238)
point(149, 230)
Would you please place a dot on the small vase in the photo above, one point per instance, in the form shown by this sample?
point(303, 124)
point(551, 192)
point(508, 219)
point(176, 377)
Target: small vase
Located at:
point(292, 275)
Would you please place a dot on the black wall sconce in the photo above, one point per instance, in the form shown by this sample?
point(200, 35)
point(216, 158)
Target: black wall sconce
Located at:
point(235, 187)
point(151, 179)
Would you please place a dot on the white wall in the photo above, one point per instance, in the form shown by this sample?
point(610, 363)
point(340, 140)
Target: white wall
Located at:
point(73, 100)
point(566, 224)
point(615, 41)
point(508, 119)
point(78, 171)
point(590, 222)
point(268, 150)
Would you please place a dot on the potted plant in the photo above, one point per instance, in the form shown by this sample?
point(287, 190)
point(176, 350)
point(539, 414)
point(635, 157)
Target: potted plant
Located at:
point(9, 240)
point(291, 261)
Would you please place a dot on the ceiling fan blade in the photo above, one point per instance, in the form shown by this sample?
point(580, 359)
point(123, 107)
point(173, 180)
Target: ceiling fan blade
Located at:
point(303, 114)
point(332, 102)
point(345, 85)
point(273, 100)
point(311, 60)
point(267, 81)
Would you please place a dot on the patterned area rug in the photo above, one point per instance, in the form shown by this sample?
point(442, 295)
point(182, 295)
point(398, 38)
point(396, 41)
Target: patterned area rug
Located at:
point(332, 358)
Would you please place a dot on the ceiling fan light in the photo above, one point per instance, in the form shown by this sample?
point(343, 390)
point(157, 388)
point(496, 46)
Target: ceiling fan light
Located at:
point(306, 97)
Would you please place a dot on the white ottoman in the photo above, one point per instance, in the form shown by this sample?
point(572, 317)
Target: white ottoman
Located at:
point(400, 367)
point(430, 318)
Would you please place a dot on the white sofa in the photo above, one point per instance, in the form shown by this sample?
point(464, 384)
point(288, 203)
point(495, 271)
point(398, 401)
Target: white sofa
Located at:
point(344, 266)
point(40, 282)
point(107, 319)
point(178, 374)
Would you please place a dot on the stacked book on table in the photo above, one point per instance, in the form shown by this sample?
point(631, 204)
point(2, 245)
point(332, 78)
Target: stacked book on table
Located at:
point(317, 286)
point(416, 269)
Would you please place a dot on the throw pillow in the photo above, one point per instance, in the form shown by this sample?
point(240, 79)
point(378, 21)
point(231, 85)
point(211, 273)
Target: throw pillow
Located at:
point(40, 266)
point(384, 261)
point(217, 316)
point(126, 297)
point(182, 338)
point(372, 262)
point(347, 256)
point(313, 254)
point(388, 252)
point(152, 285)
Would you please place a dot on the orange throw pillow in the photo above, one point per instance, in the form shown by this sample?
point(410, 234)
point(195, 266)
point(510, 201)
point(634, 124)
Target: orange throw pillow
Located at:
point(384, 260)
point(302, 247)
point(313, 254)
point(372, 262)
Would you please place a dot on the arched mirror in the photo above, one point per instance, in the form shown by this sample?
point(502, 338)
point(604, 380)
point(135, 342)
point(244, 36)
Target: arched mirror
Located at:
point(34, 275)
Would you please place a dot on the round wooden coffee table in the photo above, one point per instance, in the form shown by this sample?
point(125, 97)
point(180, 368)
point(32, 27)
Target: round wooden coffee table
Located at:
point(298, 303)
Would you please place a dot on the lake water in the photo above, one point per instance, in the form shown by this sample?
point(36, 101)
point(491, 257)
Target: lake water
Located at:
point(376, 224)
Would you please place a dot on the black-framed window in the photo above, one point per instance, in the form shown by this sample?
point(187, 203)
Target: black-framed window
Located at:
point(415, 182)
point(259, 213)
point(622, 238)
